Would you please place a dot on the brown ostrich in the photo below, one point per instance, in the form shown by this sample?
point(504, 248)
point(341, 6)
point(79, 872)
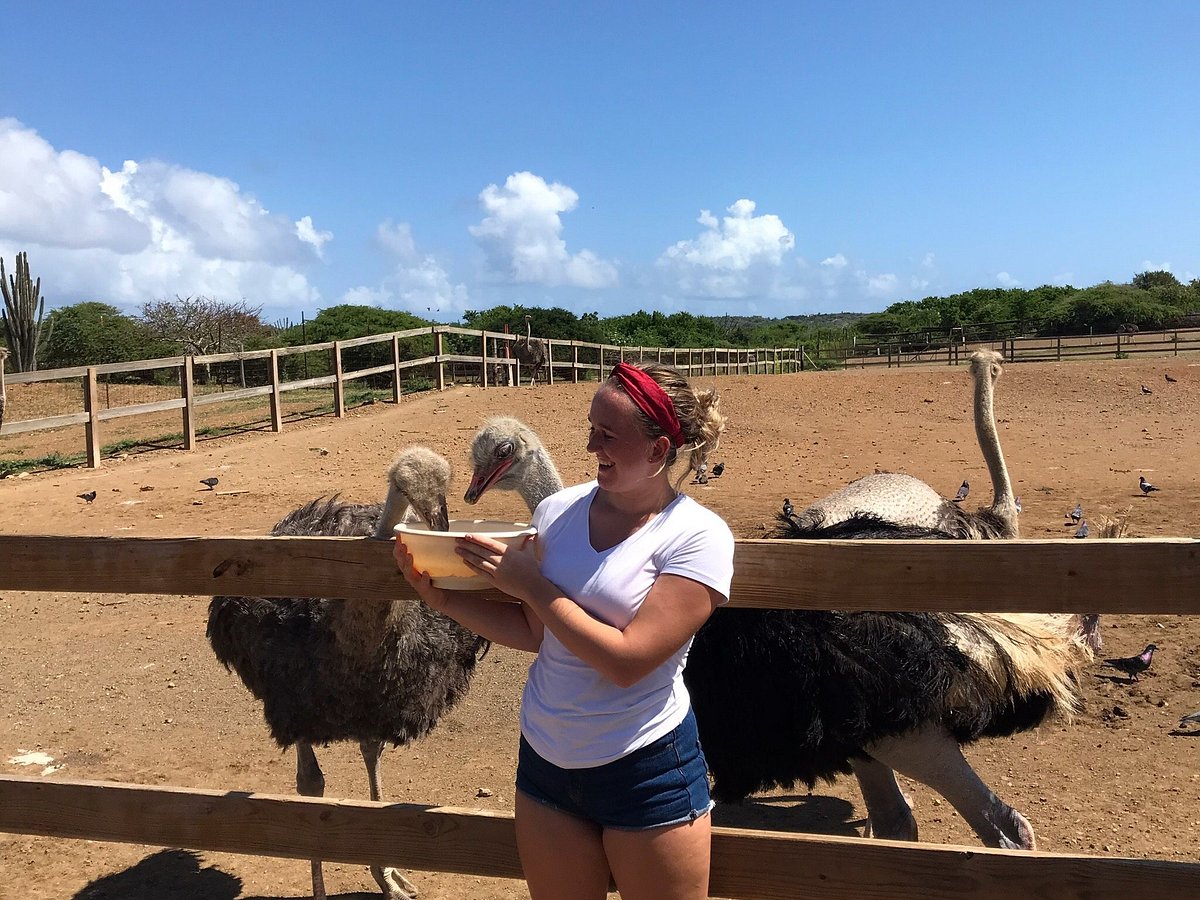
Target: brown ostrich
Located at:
point(370, 671)
point(530, 351)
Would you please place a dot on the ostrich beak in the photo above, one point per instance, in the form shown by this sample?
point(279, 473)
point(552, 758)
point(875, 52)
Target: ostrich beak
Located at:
point(484, 477)
point(439, 517)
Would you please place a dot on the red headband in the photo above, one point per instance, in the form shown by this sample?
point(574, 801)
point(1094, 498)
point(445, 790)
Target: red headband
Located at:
point(648, 395)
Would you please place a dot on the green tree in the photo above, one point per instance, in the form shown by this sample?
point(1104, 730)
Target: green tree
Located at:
point(93, 332)
point(1157, 278)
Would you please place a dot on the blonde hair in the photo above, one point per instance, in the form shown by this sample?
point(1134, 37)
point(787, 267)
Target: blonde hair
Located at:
point(699, 413)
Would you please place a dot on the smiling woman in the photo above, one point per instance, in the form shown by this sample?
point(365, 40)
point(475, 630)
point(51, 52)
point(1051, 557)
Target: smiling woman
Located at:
point(611, 781)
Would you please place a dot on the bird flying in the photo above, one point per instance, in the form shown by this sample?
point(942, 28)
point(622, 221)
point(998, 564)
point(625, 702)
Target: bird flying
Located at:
point(210, 482)
point(1146, 486)
point(1133, 666)
point(89, 496)
point(963, 490)
point(1082, 530)
point(718, 470)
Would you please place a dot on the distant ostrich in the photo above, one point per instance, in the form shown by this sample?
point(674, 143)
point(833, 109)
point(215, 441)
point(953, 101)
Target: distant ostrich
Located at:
point(868, 693)
point(530, 351)
point(905, 500)
point(371, 671)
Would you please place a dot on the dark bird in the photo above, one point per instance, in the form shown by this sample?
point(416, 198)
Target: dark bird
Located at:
point(211, 482)
point(1017, 504)
point(963, 490)
point(89, 496)
point(1133, 666)
point(1082, 530)
point(1190, 719)
point(788, 509)
point(1146, 390)
point(718, 470)
point(1077, 513)
point(1146, 486)
point(1171, 379)
point(701, 474)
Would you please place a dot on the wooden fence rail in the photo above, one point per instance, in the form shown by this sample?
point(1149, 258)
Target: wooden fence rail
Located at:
point(1116, 575)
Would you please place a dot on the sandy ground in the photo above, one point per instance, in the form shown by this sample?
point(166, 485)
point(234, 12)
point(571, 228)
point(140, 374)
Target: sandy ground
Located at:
point(126, 689)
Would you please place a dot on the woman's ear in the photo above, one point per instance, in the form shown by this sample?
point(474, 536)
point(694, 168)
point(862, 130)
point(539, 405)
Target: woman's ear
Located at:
point(660, 449)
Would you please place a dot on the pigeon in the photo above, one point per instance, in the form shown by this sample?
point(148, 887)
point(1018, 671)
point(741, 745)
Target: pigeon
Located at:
point(1082, 530)
point(788, 509)
point(718, 470)
point(701, 474)
point(963, 490)
point(1133, 666)
point(210, 482)
point(1190, 719)
point(1077, 513)
point(89, 496)
point(1146, 390)
point(1017, 504)
point(1146, 486)
point(1171, 379)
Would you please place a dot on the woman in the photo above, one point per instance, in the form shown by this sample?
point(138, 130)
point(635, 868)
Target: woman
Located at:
point(611, 780)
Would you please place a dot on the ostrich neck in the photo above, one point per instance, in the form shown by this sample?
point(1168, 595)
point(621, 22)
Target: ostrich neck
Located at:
point(396, 509)
point(989, 444)
point(540, 480)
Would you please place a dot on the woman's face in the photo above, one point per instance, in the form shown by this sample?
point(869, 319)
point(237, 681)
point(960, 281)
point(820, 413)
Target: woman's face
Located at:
point(626, 456)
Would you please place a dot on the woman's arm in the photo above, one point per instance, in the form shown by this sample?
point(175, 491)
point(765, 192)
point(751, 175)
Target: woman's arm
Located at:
point(672, 612)
point(511, 624)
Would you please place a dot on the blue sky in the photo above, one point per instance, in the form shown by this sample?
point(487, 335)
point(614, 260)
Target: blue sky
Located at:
point(769, 159)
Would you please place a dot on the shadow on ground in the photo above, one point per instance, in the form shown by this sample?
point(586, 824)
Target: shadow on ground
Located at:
point(802, 813)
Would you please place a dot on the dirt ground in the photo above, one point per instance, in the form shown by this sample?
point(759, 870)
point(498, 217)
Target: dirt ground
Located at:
point(126, 688)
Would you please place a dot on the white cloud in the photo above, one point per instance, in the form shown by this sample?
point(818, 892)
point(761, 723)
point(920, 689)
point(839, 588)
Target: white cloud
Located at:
point(147, 230)
point(738, 256)
point(883, 285)
point(928, 261)
point(837, 261)
point(1006, 280)
point(1062, 278)
point(417, 283)
point(1148, 266)
point(521, 236)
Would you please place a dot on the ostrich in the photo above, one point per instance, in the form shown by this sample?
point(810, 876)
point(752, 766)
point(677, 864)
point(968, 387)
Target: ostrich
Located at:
point(863, 693)
point(371, 671)
point(530, 351)
point(906, 500)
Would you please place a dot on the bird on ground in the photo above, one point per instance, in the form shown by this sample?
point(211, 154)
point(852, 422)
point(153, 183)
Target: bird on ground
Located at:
point(1133, 666)
point(1146, 486)
point(788, 509)
point(1171, 379)
point(1077, 513)
point(718, 470)
point(963, 490)
point(89, 496)
point(701, 474)
point(1190, 719)
point(1082, 530)
point(211, 482)
point(1146, 390)
point(1017, 504)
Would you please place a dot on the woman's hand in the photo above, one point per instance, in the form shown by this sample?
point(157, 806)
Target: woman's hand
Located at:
point(512, 570)
point(422, 583)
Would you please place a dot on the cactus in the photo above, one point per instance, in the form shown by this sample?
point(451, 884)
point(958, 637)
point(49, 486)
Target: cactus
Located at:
point(22, 315)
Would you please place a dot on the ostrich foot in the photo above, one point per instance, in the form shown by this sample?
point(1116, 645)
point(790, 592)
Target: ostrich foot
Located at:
point(901, 828)
point(1010, 829)
point(889, 809)
point(393, 884)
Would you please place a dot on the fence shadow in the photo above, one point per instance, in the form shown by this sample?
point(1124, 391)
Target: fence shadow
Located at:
point(796, 813)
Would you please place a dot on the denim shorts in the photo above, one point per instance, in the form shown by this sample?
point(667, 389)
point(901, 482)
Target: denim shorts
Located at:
point(663, 783)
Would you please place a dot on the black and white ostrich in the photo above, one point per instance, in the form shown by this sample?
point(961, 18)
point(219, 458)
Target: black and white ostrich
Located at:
point(794, 695)
point(905, 500)
point(371, 671)
point(530, 351)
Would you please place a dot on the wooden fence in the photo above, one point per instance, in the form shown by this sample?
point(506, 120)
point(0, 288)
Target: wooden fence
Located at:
point(1110, 576)
point(567, 360)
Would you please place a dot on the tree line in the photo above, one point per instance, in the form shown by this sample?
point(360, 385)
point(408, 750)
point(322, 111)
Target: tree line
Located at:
point(94, 332)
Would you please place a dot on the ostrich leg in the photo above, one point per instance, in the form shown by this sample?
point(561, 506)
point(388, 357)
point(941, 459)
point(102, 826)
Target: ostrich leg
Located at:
point(932, 756)
point(889, 811)
point(391, 881)
point(311, 783)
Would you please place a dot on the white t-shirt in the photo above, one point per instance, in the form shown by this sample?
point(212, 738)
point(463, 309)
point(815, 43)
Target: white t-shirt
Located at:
point(571, 714)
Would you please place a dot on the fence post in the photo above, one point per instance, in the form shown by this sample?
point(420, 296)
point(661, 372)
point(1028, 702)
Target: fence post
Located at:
point(339, 386)
point(441, 366)
point(574, 362)
point(1058, 348)
point(483, 373)
point(91, 405)
point(601, 361)
point(395, 369)
point(1118, 354)
point(1176, 346)
point(549, 361)
point(187, 392)
point(276, 400)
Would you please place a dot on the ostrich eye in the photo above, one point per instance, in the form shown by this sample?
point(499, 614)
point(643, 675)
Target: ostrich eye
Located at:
point(504, 450)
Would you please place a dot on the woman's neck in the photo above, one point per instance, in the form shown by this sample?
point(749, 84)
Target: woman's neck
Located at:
point(649, 501)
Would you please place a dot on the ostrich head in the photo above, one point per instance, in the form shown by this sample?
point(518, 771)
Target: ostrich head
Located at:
point(506, 454)
point(418, 480)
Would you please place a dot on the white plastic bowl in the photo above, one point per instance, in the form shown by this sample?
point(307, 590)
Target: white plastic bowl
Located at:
point(433, 551)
